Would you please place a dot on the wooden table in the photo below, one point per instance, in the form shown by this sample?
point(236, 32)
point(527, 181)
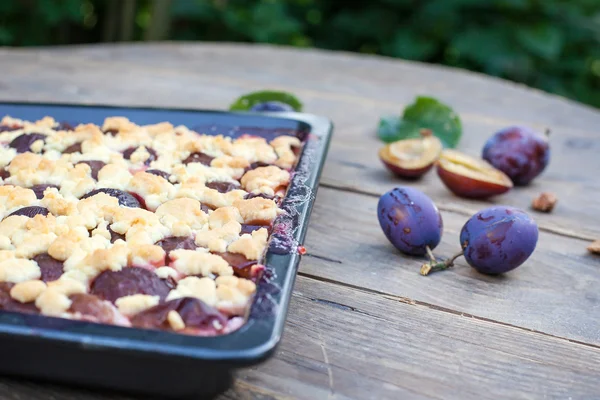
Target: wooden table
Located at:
point(363, 323)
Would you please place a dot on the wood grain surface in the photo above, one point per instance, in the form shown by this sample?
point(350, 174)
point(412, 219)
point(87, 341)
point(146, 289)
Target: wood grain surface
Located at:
point(363, 323)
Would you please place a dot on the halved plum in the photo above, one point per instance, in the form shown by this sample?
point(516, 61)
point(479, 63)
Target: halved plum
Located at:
point(110, 285)
point(471, 177)
point(411, 158)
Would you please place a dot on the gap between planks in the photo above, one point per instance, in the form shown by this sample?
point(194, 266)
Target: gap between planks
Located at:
point(412, 302)
point(458, 210)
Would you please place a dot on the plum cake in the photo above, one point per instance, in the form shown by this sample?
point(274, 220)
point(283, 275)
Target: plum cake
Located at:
point(153, 227)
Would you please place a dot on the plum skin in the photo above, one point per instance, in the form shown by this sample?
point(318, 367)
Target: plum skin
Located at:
point(498, 239)
point(519, 152)
point(410, 220)
point(273, 106)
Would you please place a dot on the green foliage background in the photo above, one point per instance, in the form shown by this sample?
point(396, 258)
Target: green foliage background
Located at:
point(553, 45)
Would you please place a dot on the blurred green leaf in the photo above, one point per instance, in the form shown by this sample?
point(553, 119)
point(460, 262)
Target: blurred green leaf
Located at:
point(247, 101)
point(410, 45)
point(549, 44)
point(544, 40)
point(424, 113)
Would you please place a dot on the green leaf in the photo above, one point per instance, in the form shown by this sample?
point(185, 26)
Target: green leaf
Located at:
point(544, 40)
point(247, 101)
point(411, 45)
point(424, 113)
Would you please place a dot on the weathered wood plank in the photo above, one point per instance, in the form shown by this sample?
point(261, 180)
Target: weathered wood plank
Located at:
point(353, 158)
point(347, 344)
point(555, 291)
point(348, 75)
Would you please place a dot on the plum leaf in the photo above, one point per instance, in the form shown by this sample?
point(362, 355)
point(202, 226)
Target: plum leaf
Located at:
point(247, 101)
point(424, 113)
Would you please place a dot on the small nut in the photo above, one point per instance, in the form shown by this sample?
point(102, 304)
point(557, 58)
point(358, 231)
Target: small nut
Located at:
point(545, 202)
point(594, 247)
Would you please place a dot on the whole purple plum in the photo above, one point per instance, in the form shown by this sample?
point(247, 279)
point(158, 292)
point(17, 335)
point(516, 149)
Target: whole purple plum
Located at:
point(498, 239)
point(410, 220)
point(276, 106)
point(519, 152)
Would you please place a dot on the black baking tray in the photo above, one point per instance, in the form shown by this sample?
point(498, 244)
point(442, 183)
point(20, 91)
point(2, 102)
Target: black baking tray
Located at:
point(159, 363)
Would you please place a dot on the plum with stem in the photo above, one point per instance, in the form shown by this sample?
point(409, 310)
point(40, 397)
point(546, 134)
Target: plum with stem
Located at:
point(495, 240)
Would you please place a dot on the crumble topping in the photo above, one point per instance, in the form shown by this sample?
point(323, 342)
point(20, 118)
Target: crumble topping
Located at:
point(283, 146)
point(175, 320)
point(203, 289)
point(28, 291)
point(136, 303)
point(257, 211)
point(17, 270)
point(252, 246)
point(265, 180)
point(165, 199)
point(197, 262)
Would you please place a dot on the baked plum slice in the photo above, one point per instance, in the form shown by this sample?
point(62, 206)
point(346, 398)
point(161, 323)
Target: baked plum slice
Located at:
point(9, 128)
point(125, 199)
point(111, 285)
point(51, 268)
point(22, 143)
point(95, 167)
point(153, 156)
point(175, 243)
point(7, 303)
point(242, 267)
point(198, 157)
point(114, 236)
point(94, 309)
point(247, 228)
point(222, 186)
point(40, 189)
point(74, 148)
point(194, 313)
point(31, 211)
point(158, 172)
point(263, 195)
